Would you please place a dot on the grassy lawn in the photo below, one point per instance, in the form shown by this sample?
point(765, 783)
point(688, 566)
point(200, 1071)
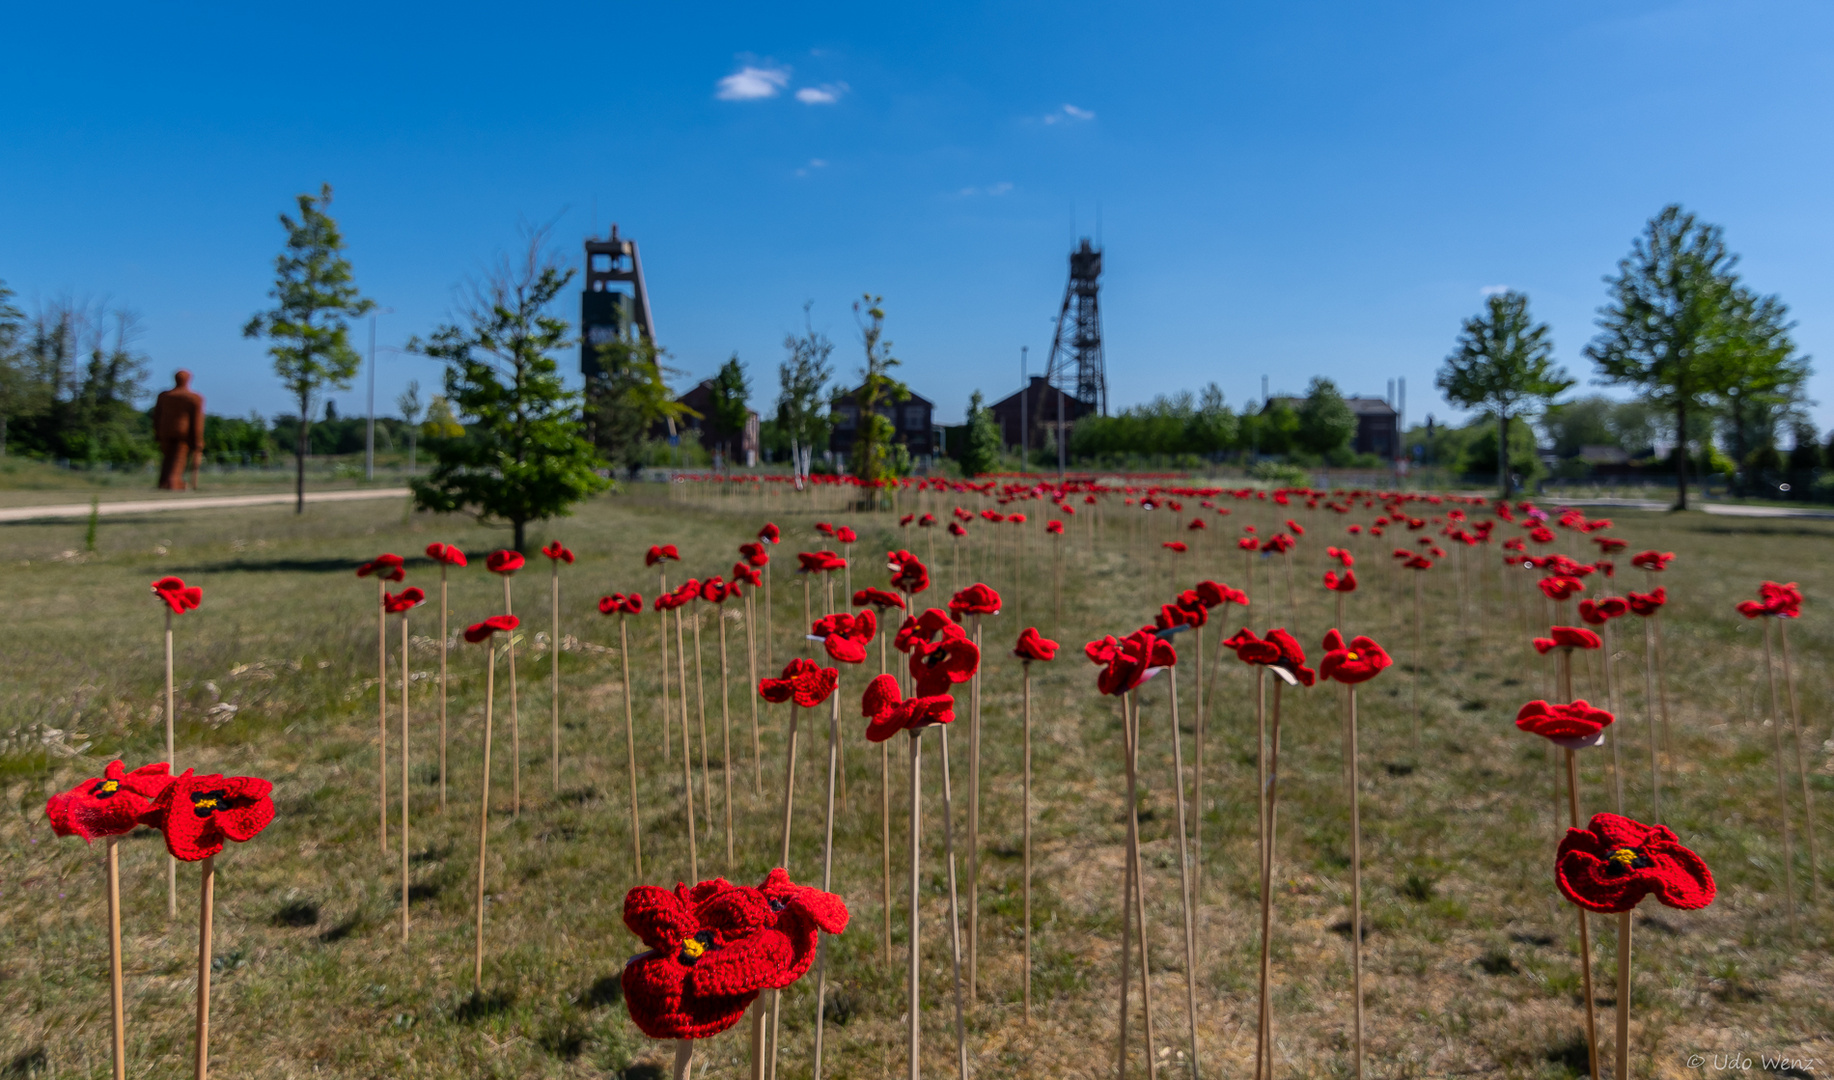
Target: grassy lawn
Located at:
point(1471, 954)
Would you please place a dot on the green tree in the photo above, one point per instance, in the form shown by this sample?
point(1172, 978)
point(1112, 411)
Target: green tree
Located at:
point(18, 390)
point(409, 404)
point(1273, 430)
point(731, 407)
point(877, 389)
point(629, 397)
point(1326, 424)
point(1681, 328)
point(440, 422)
point(802, 401)
point(981, 454)
point(1503, 364)
point(1212, 429)
point(315, 294)
point(523, 457)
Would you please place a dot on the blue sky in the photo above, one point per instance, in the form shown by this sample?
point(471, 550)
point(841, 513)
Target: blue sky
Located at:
point(1282, 189)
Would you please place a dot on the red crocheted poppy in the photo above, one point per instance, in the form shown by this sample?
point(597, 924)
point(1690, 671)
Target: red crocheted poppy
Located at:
point(1248, 543)
point(1035, 646)
point(1175, 545)
point(770, 534)
point(108, 805)
point(909, 575)
point(687, 592)
point(882, 599)
point(889, 712)
point(1197, 523)
point(555, 550)
point(927, 521)
point(199, 814)
point(1561, 587)
point(1357, 662)
point(503, 562)
point(845, 635)
point(1341, 556)
point(1132, 660)
point(921, 628)
point(1568, 637)
point(1647, 604)
point(1614, 862)
point(1601, 611)
point(177, 595)
point(1541, 534)
point(1054, 527)
point(1346, 583)
point(620, 604)
point(950, 659)
point(976, 599)
point(1418, 562)
point(1652, 560)
point(711, 952)
point(803, 681)
point(406, 599)
point(1610, 545)
point(659, 552)
point(1212, 593)
point(445, 553)
point(906, 520)
point(824, 528)
point(1173, 618)
point(386, 567)
point(819, 562)
point(1783, 601)
point(845, 535)
point(1575, 725)
point(754, 554)
point(749, 575)
point(799, 912)
point(956, 529)
point(477, 632)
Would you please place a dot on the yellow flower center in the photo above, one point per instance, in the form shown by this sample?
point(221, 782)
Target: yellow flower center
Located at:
point(693, 947)
point(109, 787)
point(205, 804)
point(1351, 655)
point(1624, 857)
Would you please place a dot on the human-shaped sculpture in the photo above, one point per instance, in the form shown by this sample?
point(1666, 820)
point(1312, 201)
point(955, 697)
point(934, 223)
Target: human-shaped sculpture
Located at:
point(178, 425)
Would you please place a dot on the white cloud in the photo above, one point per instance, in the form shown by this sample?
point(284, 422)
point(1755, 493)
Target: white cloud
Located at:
point(752, 83)
point(814, 164)
point(993, 190)
point(1493, 290)
point(1069, 114)
point(1000, 188)
point(825, 94)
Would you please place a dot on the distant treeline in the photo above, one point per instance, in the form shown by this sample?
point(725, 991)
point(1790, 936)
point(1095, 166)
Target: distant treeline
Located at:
point(1315, 429)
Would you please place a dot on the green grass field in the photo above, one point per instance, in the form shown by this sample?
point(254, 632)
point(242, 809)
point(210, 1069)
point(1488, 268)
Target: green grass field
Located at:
point(1471, 958)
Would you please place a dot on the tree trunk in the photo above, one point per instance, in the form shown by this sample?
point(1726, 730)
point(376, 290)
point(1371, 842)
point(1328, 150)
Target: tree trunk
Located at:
point(1502, 451)
point(1681, 454)
point(299, 456)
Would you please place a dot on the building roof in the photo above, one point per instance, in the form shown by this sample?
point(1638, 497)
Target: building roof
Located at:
point(914, 399)
point(1369, 406)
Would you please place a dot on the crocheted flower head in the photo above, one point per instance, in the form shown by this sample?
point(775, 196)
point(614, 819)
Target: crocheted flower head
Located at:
point(882, 599)
point(710, 954)
point(1212, 593)
point(909, 575)
point(406, 599)
point(1035, 646)
point(1177, 546)
point(199, 814)
point(754, 554)
point(1130, 661)
point(558, 552)
point(1652, 560)
point(108, 805)
point(482, 631)
point(888, 711)
point(803, 681)
point(845, 535)
point(1560, 587)
point(976, 599)
point(1345, 583)
point(504, 562)
point(385, 567)
point(920, 628)
point(1614, 862)
point(1054, 527)
point(1279, 651)
point(621, 604)
point(1574, 725)
point(1646, 604)
point(845, 635)
point(956, 529)
point(1342, 556)
point(770, 534)
point(1568, 637)
point(445, 554)
point(1359, 661)
point(178, 596)
point(1784, 601)
point(1599, 612)
point(798, 912)
point(950, 659)
point(658, 552)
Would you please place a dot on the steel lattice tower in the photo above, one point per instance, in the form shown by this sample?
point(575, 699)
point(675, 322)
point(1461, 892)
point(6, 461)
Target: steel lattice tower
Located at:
point(1081, 346)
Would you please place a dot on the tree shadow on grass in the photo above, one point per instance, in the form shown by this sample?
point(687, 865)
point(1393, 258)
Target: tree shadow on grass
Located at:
point(477, 1005)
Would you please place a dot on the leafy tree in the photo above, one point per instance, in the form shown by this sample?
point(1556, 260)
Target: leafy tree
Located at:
point(1805, 453)
point(877, 388)
point(1326, 424)
point(802, 414)
point(1503, 364)
point(629, 397)
point(18, 390)
point(1212, 429)
point(315, 294)
point(440, 422)
point(1273, 430)
point(981, 454)
point(523, 458)
point(1681, 327)
point(731, 407)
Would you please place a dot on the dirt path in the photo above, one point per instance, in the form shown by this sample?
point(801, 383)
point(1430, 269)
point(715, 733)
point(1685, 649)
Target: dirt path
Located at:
point(205, 502)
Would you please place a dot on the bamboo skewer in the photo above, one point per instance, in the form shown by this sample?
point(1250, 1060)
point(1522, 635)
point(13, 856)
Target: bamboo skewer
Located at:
point(171, 768)
point(1264, 1051)
point(515, 721)
point(751, 660)
point(914, 1000)
point(404, 776)
point(700, 705)
point(206, 915)
point(554, 673)
point(1776, 740)
point(630, 743)
point(974, 824)
point(1026, 667)
point(442, 685)
point(1585, 932)
point(726, 734)
point(1184, 881)
point(117, 1005)
point(382, 713)
point(955, 922)
point(490, 695)
point(1623, 997)
point(687, 767)
point(827, 875)
point(1356, 877)
point(1802, 776)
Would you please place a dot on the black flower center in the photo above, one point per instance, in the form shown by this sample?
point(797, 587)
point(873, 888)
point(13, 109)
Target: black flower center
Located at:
point(696, 946)
point(1624, 860)
point(206, 803)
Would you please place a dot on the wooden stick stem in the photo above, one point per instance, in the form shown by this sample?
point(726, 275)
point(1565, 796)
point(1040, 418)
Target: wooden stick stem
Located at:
point(1623, 997)
point(382, 715)
point(1356, 879)
point(554, 673)
point(955, 921)
point(1802, 776)
point(684, 1059)
point(751, 661)
point(1776, 743)
point(1026, 667)
point(687, 767)
point(630, 744)
point(1184, 880)
point(913, 999)
point(404, 776)
point(490, 695)
point(974, 823)
point(515, 719)
point(726, 733)
point(206, 916)
point(442, 686)
point(171, 767)
point(827, 875)
point(117, 1006)
point(1585, 931)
